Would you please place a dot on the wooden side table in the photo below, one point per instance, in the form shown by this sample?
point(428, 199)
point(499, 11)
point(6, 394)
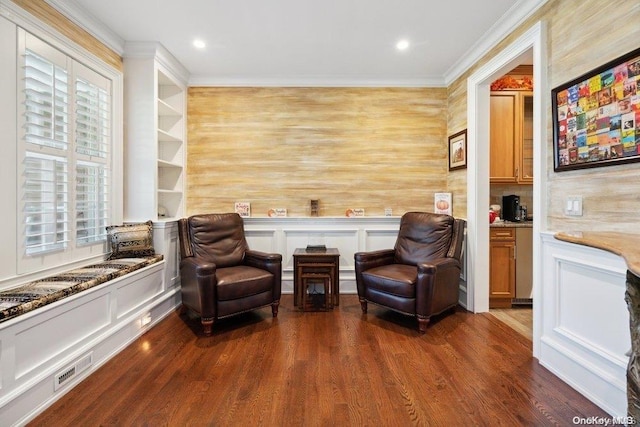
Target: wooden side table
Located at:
point(321, 266)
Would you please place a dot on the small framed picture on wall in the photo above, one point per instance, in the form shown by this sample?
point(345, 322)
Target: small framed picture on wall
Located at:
point(458, 150)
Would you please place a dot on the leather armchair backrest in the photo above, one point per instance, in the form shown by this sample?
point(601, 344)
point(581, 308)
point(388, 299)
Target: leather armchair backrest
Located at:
point(457, 239)
point(423, 236)
point(218, 238)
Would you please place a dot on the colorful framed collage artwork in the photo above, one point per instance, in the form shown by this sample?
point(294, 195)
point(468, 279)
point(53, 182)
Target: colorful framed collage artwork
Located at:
point(596, 117)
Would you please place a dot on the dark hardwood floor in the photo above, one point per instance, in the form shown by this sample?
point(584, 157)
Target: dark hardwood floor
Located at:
point(324, 368)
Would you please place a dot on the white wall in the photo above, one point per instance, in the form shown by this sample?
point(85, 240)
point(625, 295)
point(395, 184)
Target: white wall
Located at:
point(8, 137)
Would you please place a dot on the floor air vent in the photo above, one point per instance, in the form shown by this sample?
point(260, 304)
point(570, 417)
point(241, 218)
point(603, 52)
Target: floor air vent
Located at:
point(72, 371)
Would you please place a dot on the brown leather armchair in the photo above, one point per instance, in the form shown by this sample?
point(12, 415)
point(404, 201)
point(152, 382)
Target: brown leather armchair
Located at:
point(421, 275)
point(220, 275)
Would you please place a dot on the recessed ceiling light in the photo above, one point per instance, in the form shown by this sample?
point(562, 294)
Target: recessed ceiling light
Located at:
point(199, 44)
point(402, 44)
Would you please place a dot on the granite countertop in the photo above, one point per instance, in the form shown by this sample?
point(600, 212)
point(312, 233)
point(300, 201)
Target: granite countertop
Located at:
point(623, 244)
point(520, 224)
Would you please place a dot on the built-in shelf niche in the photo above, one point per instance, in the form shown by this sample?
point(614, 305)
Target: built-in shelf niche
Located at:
point(155, 150)
point(170, 154)
point(169, 176)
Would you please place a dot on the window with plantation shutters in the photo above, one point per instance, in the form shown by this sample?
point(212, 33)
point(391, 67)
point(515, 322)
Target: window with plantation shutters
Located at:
point(92, 202)
point(46, 205)
point(45, 173)
point(92, 140)
point(65, 154)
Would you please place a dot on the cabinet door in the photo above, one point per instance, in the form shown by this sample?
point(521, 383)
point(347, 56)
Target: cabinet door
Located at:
point(503, 133)
point(502, 273)
point(524, 263)
point(526, 146)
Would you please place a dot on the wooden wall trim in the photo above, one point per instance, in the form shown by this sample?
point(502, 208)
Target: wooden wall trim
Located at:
point(46, 13)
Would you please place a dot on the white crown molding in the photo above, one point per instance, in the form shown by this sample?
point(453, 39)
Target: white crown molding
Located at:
point(515, 16)
point(89, 23)
point(39, 28)
point(158, 52)
point(314, 81)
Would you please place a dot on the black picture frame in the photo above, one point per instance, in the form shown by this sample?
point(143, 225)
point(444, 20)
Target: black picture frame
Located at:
point(458, 150)
point(596, 117)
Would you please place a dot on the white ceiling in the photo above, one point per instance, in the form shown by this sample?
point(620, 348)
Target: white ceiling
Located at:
point(308, 42)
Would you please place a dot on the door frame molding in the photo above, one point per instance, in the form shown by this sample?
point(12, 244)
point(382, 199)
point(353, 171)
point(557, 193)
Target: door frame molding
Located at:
point(531, 43)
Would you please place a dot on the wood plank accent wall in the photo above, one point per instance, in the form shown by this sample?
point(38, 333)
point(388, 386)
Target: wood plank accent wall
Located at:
point(46, 13)
point(611, 193)
point(457, 121)
point(370, 148)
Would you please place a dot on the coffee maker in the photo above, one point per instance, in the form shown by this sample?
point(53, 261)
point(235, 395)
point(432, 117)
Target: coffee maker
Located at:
point(511, 208)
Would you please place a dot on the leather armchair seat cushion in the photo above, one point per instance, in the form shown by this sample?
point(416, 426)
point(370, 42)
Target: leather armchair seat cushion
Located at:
point(401, 304)
point(242, 281)
point(394, 279)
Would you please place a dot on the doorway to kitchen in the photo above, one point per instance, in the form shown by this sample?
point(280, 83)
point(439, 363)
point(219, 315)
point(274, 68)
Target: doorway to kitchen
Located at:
point(531, 44)
point(511, 197)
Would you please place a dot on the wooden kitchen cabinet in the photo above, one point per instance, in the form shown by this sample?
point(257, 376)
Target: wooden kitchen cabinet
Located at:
point(511, 137)
point(502, 266)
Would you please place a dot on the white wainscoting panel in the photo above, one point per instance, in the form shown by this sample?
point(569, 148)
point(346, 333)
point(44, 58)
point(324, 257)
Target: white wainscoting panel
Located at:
point(94, 325)
point(132, 295)
point(348, 235)
point(45, 338)
point(263, 240)
point(346, 241)
point(166, 242)
point(379, 239)
point(581, 318)
point(585, 327)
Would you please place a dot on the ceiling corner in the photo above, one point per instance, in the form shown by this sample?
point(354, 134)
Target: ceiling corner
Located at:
point(514, 17)
point(89, 23)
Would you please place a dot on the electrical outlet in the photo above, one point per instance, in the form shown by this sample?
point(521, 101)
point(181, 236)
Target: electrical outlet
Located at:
point(145, 320)
point(573, 206)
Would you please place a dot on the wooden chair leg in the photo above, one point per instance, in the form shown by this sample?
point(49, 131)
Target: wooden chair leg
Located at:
point(422, 324)
point(274, 308)
point(207, 324)
point(363, 305)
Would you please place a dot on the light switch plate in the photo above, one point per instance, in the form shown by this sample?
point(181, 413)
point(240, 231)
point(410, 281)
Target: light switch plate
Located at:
point(573, 206)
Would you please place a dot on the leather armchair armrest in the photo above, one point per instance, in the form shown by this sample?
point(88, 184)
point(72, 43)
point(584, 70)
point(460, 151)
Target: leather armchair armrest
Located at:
point(193, 266)
point(267, 261)
point(366, 260)
point(262, 259)
point(198, 285)
point(437, 285)
point(432, 267)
